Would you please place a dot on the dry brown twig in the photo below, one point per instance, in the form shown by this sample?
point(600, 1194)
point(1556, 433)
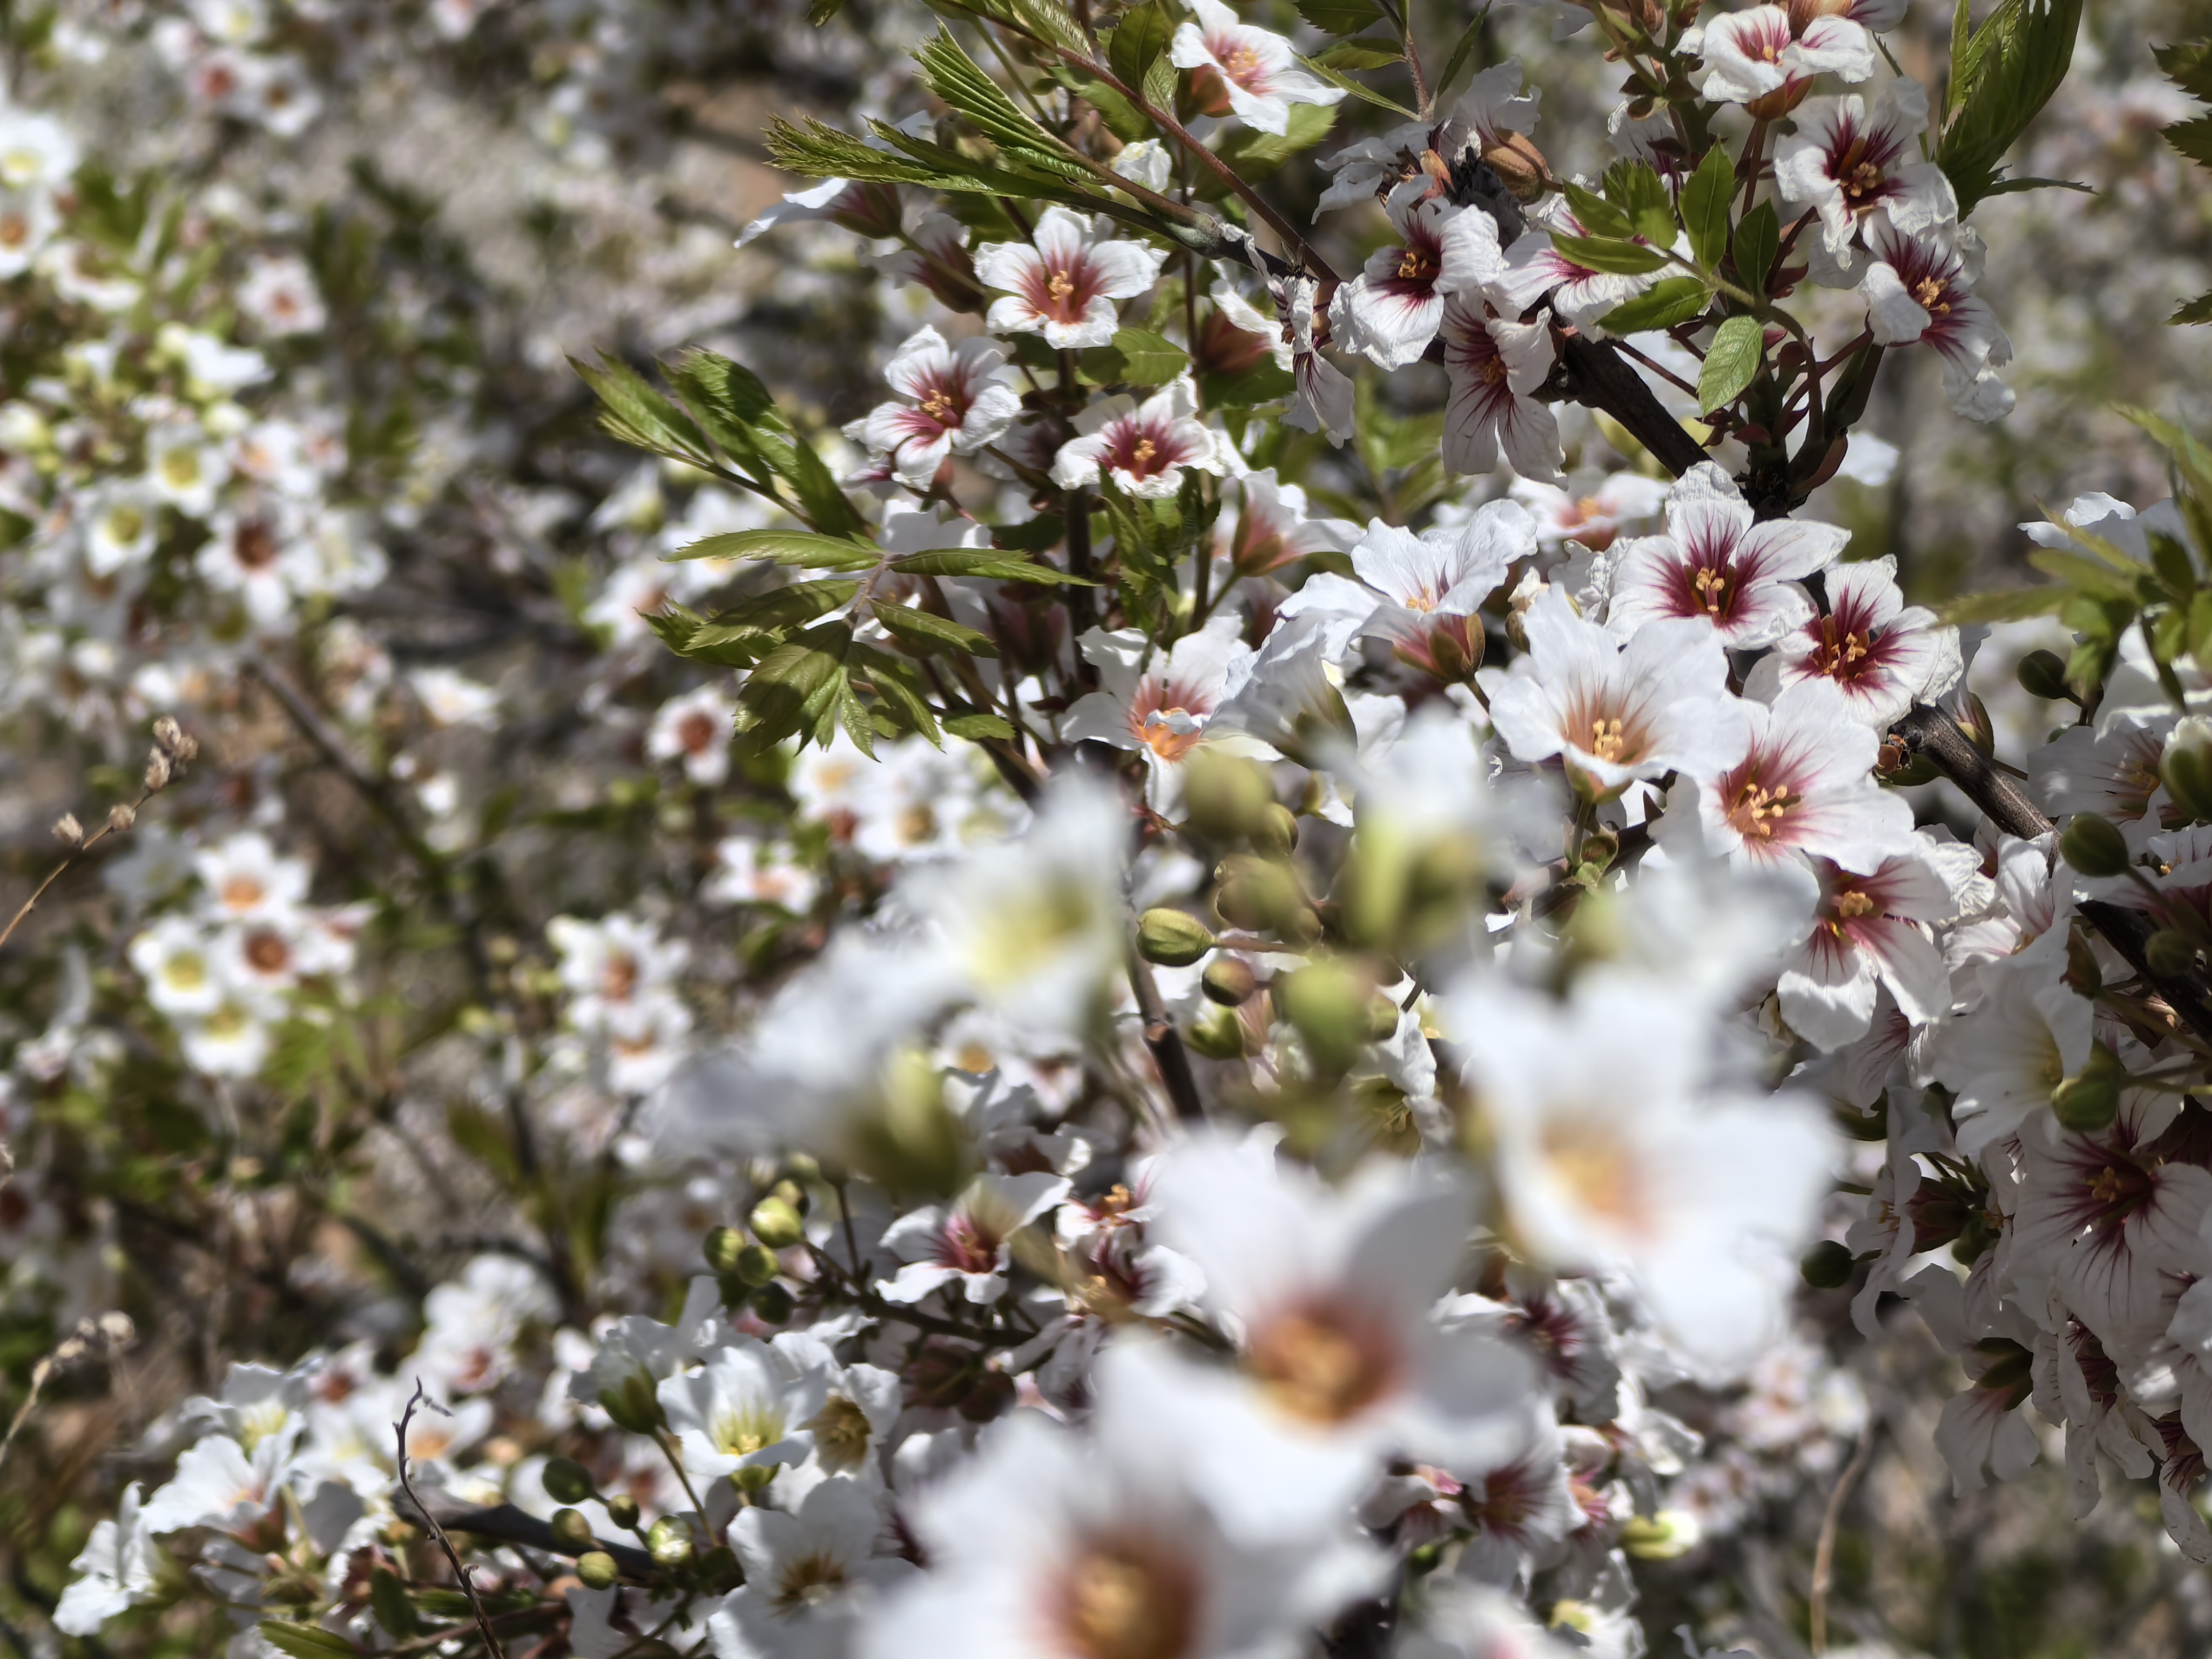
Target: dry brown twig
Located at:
point(100, 1337)
point(407, 1486)
point(1824, 1553)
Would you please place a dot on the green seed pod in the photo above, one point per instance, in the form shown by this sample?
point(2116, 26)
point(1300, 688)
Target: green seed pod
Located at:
point(2087, 1101)
point(1826, 1265)
point(2043, 674)
point(792, 1194)
point(722, 1247)
point(1224, 795)
point(634, 1405)
point(1274, 831)
point(2093, 846)
point(1328, 1003)
point(2186, 768)
point(756, 1265)
point(1174, 939)
point(1229, 980)
point(1382, 1019)
point(773, 1303)
point(2169, 954)
point(621, 1509)
point(1216, 1033)
point(568, 1481)
point(668, 1540)
point(754, 1478)
point(776, 1223)
point(598, 1569)
point(572, 1532)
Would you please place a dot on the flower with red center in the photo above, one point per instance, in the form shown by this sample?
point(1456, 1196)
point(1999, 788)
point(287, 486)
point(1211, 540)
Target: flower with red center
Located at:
point(1919, 290)
point(1495, 365)
point(1159, 702)
point(1880, 654)
point(1592, 520)
point(1268, 528)
point(1144, 447)
point(695, 729)
point(1870, 930)
point(955, 400)
point(1805, 788)
point(1243, 70)
point(1845, 161)
point(1579, 295)
point(1062, 283)
point(1394, 308)
point(1760, 57)
point(965, 1244)
point(1983, 1434)
point(1718, 564)
point(1323, 400)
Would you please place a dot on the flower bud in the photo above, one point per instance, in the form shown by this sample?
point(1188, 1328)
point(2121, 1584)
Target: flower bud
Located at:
point(776, 1223)
point(2186, 768)
point(1216, 1033)
point(634, 1405)
point(157, 771)
point(723, 1247)
point(772, 1305)
point(1661, 1537)
point(1328, 1005)
point(1980, 730)
point(1826, 1265)
point(67, 830)
point(622, 1509)
point(1382, 1019)
point(598, 1569)
point(792, 1194)
point(754, 1478)
point(571, 1531)
point(669, 1542)
point(1224, 794)
point(2043, 674)
point(1229, 980)
point(2089, 1100)
point(1174, 939)
point(756, 1266)
point(1274, 831)
point(121, 816)
point(2169, 954)
point(567, 1481)
point(1519, 166)
point(2092, 846)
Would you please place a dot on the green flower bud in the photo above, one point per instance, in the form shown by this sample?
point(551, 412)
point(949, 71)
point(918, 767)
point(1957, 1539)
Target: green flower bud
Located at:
point(756, 1265)
point(722, 1247)
point(1980, 730)
point(1274, 831)
point(1229, 980)
point(1382, 1019)
point(2043, 674)
point(1826, 1265)
point(568, 1481)
point(1660, 1537)
point(2093, 846)
point(792, 1194)
point(1224, 795)
point(2087, 1101)
point(1328, 1003)
point(2186, 770)
point(2169, 954)
point(1216, 1033)
point(634, 1405)
point(776, 1223)
point(754, 1478)
point(804, 1166)
point(621, 1509)
point(598, 1569)
point(668, 1540)
point(773, 1303)
point(571, 1532)
point(1174, 939)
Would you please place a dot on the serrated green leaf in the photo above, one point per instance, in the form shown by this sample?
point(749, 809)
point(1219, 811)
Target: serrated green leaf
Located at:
point(778, 608)
point(794, 686)
point(1036, 535)
point(1705, 200)
point(2084, 574)
point(1598, 216)
point(633, 413)
point(1609, 254)
point(1136, 357)
point(1358, 89)
point(2002, 77)
point(793, 547)
point(2188, 64)
point(1757, 237)
point(853, 715)
point(2006, 604)
point(897, 689)
point(2193, 139)
point(978, 728)
point(985, 567)
point(1159, 88)
point(2198, 310)
point(965, 86)
point(1122, 119)
point(1676, 299)
point(1731, 362)
point(1635, 188)
point(924, 630)
point(1340, 16)
point(305, 1641)
point(1142, 35)
point(1352, 56)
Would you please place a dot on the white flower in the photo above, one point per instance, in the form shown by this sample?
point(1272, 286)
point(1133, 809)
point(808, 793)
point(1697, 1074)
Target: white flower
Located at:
point(968, 1243)
point(1716, 563)
point(752, 872)
point(1266, 527)
point(1612, 714)
point(742, 1409)
point(1159, 702)
point(1495, 365)
point(957, 399)
point(1845, 161)
point(1063, 282)
point(1535, 269)
point(246, 881)
point(1394, 308)
point(474, 1322)
point(450, 697)
point(1254, 73)
point(1919, 288)
point(28, 221)
point(1323, 399)
point(1883, 654)
point(219, 1484)
point(1615, 1152)
point(1756, 59)
point(1144, 446)
point(612, 964)
point(178, 962)
point(117, 1568)
point(279, 295)
point(810, 1576)
point(36, 152)
point(122, 522)
point(1870, 932)
point(2028, 1034)
point(695, 729)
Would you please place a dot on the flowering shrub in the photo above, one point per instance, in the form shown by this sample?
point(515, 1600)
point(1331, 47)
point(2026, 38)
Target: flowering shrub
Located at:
point(1285, 955)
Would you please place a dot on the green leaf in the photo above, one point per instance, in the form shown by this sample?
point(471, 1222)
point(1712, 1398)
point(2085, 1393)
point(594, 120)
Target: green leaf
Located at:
point(2005, 605)
point(2084, 574)
point(1462, 54)
point(794, 686)
point(1756, 239)
point(633, 413)
point(963, 84)
point(985, 566)
point(2188, 64)
point(1340, 16)
point(1159, 88)
point(897, 689)
point(1142, 34)
point(1731, 362)
point(977, 728)
point(1136, 357)
point(1609, 255)
point(1358, 89)
point(1262, 383)
point(305, 1640)
point(1596, 216)
point(2193, 139)
point(924, 631)
point(1122, 119)
point(1352, 56)
point(771, 612)
point(1634, 187)
point(819, 12)
point(2002, 77)
point(853, 715)
point(797, 547)
point(2198, 310)
point(387, 1598)
point(1677, 300)
point(2015, 186)
point(1031, 535)
point(1705, 207)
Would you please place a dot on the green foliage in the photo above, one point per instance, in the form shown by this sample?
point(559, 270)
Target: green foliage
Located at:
point(1663, 305)
point(1340, 16)
point(2002, 75)
point(1705, 197)
point(1731, 362)
point(2189, 66)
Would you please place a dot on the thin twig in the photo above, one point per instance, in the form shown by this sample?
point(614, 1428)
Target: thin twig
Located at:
point(406, 1486)
point(1824, 1554)
point(107, 1333)
point(1165, 1042)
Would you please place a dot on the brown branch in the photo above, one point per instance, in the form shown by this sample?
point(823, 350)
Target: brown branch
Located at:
point(1824, 1553)
point(1165, 1042)
point(406, 1486)
point(1592, 372)
point(1933, 734)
